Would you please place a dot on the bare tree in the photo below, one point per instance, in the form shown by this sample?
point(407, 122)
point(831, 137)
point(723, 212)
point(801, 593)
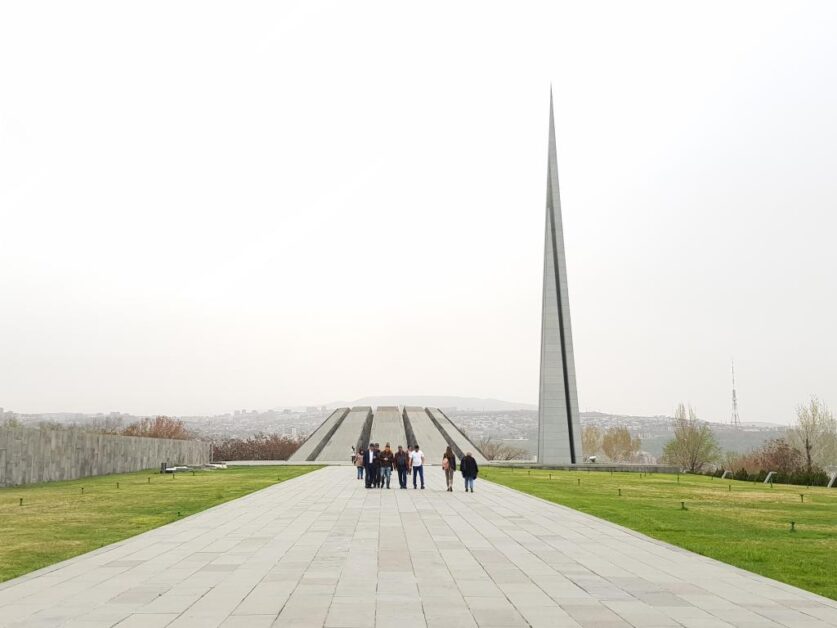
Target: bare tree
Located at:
point(158, 427)
point(778, 455)
point(694, 445)
point(775, 454)
point(51, 425)
point(12, 421)
point(591, 440)
point(619, 446)
point(815, 434)
point(105, 425)
point(498, 450)
point(731, 460)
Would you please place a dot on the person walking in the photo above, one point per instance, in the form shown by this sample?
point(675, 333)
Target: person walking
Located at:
point(369, 462)
point(376, 475)
point(386, 459)
point(361, 452)
point(417, 465)
point(449, 467)
point(402, 463)
point(468, 467)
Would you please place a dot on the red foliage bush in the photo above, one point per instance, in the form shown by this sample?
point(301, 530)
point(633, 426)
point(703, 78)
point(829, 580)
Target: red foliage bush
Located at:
point(778, 455)
point(158, 427)
point(257, 447)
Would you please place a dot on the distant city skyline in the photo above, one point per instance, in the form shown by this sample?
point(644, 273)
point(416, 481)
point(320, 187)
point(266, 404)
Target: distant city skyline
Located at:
point(237, 216)
point(443, 401)
point(512, 425)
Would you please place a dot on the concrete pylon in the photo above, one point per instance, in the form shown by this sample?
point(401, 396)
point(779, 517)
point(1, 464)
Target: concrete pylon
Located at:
point(559, 428)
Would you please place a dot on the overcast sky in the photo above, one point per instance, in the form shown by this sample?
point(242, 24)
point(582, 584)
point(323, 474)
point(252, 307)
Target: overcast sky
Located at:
point(208, 206)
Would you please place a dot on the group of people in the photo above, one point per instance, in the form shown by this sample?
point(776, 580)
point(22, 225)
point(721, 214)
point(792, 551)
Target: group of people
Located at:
point(377, 465)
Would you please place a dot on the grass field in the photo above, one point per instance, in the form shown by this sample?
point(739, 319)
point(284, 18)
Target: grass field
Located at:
point(58, 521)
point(740, 523)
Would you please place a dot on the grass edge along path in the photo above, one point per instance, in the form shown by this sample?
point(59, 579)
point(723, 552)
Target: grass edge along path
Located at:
point(60, 520)
point(740, 523)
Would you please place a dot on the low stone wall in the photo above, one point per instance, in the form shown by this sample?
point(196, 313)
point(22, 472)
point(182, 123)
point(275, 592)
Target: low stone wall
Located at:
point(589, 466)
point(30, 455)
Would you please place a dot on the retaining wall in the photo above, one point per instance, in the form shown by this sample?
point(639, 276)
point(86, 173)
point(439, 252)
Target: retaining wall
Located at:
point(589, 466)
point(30, 455)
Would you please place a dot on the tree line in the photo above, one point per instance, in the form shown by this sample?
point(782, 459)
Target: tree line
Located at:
point(615, 443)
point(256, 447)
point(149, 427)
point(800, 457)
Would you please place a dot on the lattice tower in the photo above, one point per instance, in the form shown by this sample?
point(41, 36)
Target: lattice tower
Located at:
point(735, 420)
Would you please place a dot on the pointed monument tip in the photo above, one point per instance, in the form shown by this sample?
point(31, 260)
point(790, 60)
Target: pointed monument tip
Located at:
point(551, 106)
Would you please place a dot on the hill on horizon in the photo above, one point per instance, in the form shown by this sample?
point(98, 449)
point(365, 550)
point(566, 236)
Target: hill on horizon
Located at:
point(437, 401)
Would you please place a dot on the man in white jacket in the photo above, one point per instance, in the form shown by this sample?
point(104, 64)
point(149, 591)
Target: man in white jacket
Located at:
point(417, 465)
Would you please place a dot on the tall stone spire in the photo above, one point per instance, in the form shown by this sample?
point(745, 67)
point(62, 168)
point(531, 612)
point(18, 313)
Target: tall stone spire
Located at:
point(559, 429)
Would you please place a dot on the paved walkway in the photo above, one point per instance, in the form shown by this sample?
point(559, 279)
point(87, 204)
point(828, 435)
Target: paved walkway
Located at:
point(322, 551)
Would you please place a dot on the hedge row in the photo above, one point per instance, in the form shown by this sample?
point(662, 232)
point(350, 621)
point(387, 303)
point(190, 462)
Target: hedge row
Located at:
point(817, 477)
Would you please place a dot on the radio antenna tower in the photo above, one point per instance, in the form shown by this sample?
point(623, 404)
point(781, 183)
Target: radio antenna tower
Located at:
point(735, 420)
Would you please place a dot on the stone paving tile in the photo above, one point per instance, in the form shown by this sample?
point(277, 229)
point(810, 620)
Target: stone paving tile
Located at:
point(248, 621)
point(322, 551)
point(147, 621)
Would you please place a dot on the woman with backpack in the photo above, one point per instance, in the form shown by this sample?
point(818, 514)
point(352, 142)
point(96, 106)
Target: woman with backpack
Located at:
point(449, 467)
point(359, 456)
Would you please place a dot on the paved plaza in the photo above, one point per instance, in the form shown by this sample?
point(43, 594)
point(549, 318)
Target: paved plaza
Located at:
point(321, 550)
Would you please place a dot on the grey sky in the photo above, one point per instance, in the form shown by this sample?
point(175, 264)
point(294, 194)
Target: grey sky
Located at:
point(210, 206)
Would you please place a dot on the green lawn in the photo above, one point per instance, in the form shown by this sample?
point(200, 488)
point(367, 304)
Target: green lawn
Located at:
point(747, 526)
point(57, 521)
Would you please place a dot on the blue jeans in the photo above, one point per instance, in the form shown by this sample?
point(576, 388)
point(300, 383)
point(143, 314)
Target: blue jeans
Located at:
point(360, 473)
point(402, 477)
point(469, 483)
point(419, 470)
point(386, 474)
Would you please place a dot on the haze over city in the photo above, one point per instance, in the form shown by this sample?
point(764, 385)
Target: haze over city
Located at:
point(254, 221)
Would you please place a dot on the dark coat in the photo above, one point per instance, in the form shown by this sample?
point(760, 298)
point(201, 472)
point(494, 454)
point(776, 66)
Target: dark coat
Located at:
point(468, 467)
point(402, 460)
point(385, 459)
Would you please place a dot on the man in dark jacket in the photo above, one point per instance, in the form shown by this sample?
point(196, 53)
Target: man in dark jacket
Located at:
point(377, 465)
point(402, 461)
point(369, 459)
point(468, 467)
point(386, 459)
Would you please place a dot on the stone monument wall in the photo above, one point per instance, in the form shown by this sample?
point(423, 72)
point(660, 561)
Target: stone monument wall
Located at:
point(30, 455)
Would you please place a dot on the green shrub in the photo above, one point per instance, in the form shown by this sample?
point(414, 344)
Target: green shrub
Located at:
point(741, 474)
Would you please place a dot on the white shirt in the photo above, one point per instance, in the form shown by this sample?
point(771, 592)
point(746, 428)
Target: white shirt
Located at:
point(415, 458)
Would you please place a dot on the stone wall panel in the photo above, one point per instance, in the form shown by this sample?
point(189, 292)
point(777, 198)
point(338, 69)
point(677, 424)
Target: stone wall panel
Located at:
point(30, 455)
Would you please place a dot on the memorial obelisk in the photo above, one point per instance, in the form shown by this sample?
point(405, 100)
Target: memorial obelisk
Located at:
point(559, 428)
